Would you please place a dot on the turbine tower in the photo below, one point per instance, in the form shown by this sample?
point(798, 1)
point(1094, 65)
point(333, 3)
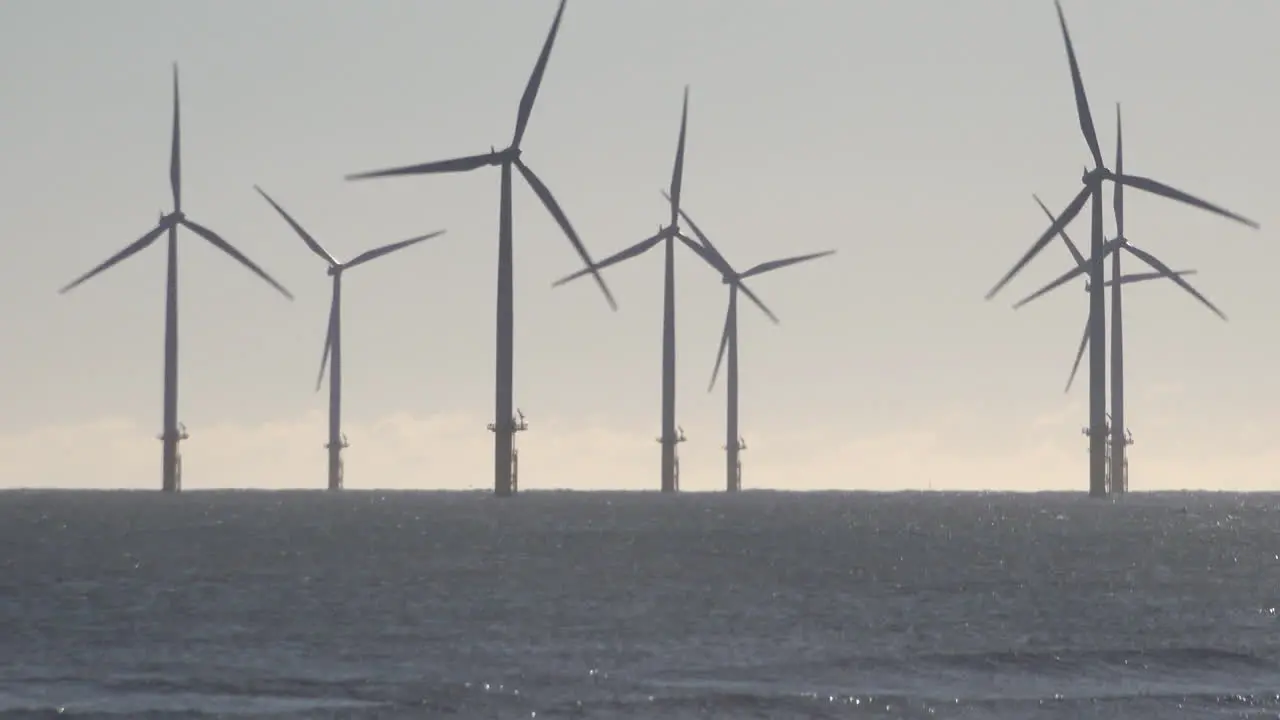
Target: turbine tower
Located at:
point(503, 427)
point(729, 340)
point(1119, 438)
point(1092, 193)
point(332, 355)
point(174, 432)
point(671, 435)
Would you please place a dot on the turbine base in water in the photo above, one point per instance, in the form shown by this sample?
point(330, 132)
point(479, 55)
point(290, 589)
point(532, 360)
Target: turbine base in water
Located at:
point(517, 424)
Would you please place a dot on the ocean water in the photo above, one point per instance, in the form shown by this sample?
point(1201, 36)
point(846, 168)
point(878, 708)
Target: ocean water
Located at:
point(612, 605)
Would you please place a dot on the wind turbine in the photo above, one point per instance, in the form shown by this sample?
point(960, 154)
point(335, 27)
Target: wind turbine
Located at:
point(1092, 193)
point(1119, 439)
point(1119, 434)
point(332, 355)
point(503, 427)
point(671, 435)
point(173, 433)
point(729, 341)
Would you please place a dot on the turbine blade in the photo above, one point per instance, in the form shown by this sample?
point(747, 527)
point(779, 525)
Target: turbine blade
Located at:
point(328, 339)
point(131, 249)
point(226, 247)
point(1082, 102)
point(777, 264)
point(175, 157)
point(306, 238)
point(1163, 269)
point(540, 189)
point(535, 79)
point(724, 342)
point(702, 237)
point(708, 251)
point(368, 255)
point(1159, 188)
point(705, 254)
point(677, 172)
point(1054, 228)
point(1084, 342)
point(759, 303)
point(1118, 202)
point(462, 164)
point(1143, 277)
point(1071, 247)
point(615, 258)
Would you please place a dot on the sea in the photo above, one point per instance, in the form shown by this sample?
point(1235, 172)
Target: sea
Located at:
point(366, 604)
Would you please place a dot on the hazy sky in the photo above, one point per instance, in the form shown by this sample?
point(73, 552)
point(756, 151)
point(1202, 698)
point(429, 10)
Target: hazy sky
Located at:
point(908, 135)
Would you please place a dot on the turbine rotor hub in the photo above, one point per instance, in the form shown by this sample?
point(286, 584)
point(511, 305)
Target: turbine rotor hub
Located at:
point(1095, 176)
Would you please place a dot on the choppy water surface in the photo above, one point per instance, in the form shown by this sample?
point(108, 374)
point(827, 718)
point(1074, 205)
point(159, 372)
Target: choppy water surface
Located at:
point(762, 605)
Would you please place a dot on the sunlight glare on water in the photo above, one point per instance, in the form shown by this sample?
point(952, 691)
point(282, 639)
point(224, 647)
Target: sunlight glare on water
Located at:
point(611, 605)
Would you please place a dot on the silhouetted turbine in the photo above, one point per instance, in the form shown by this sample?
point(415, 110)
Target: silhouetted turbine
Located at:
point(1092, 192)
point(332, 355)
point(729, 340)
point(668, 233)
point(503, 428)
point(171, 480)
point(1119, 440)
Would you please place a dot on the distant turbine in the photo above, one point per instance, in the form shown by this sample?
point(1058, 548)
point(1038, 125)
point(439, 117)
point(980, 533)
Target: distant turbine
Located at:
point(503, 427)
point(333, 337)
point(1092, 192)
point(671, 436)
point(172, 434)
point(1119, 439)
point(171, 470)
point(729, 341)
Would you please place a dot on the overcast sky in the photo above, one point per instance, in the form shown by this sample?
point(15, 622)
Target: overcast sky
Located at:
point(908, 135)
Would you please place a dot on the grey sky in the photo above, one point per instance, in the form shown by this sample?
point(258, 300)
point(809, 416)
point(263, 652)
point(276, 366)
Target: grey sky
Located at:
point(908, 135)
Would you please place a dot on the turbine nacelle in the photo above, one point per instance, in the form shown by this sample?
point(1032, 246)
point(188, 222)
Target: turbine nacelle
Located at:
point(508, 155)
point(1096, 175)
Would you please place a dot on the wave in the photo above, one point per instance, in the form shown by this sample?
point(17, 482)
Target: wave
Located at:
point(1065, 661)
point(717, 704)
point(1165, 659)
point(944, 684)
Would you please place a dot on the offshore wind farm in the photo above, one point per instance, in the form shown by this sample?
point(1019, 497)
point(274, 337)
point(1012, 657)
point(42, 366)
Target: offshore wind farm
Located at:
point(1105, 368)
point(918, 529)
